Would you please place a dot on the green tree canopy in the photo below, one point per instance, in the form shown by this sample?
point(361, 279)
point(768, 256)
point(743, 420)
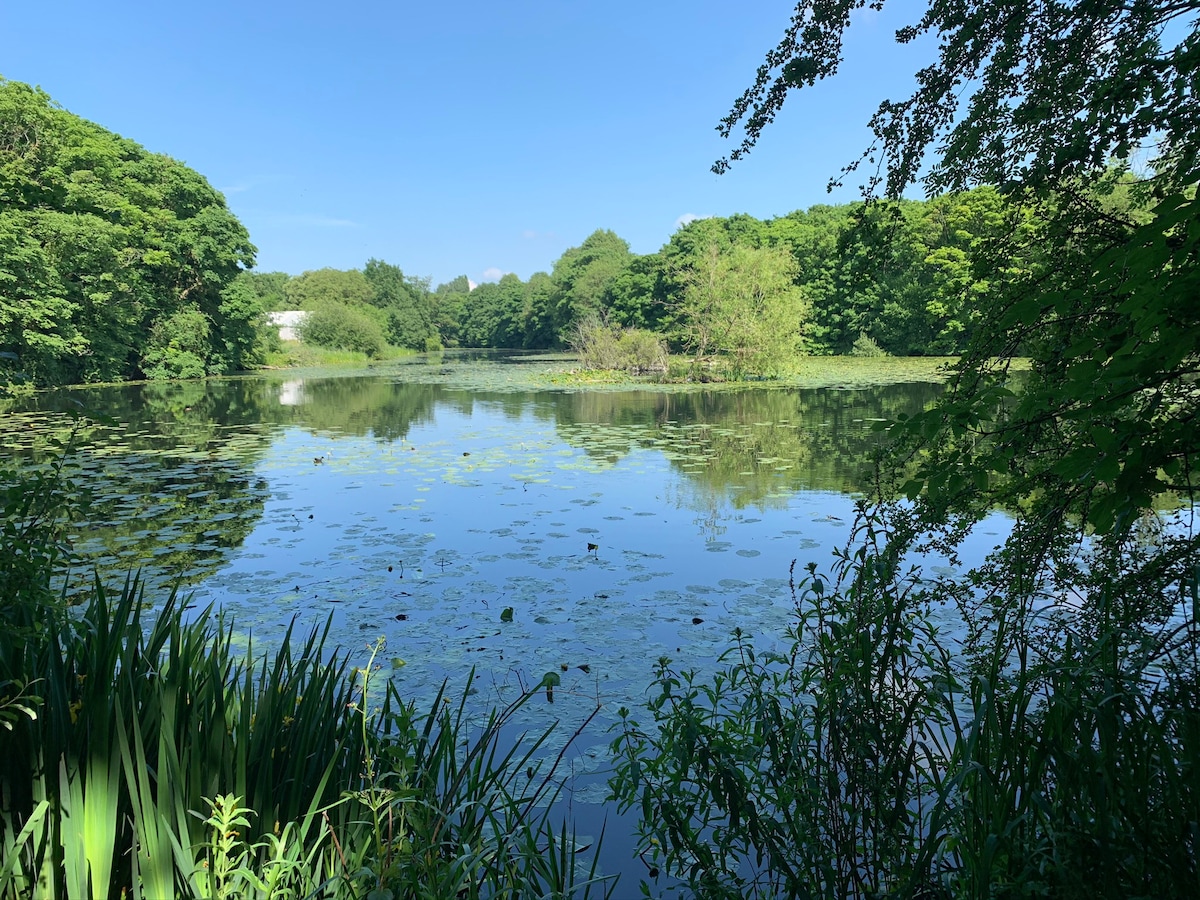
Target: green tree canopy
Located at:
point(741, 310)
point(582, 276)
point(321, 287)
point(492, 314)
point(1058, 90)
point(407, 302)
point(103, 244)
point(459, 285)
point(269, 287)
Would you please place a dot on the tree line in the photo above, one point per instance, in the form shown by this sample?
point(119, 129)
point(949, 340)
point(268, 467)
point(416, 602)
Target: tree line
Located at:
point(908, 277)
point(117, 263)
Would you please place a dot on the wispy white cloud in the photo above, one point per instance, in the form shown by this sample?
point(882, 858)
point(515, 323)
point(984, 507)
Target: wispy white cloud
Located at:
point(864, 16)
point(530, 235)
point(687, 218)
point(493, 274)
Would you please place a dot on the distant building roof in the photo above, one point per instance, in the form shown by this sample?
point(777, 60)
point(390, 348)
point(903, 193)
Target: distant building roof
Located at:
point(287, 318)
point(287, 321)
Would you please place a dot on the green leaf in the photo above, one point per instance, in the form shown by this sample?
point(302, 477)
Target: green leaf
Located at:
point(507, 614)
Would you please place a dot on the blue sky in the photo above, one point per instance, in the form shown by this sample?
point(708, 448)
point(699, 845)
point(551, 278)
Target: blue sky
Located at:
point(457, 137)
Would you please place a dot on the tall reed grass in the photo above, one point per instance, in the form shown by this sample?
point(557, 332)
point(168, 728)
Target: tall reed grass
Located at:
point(161, 755)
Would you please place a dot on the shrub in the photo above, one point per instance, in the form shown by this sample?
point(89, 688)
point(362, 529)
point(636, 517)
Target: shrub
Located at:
point(341, 327)
point(602, 346)
point(866, 346)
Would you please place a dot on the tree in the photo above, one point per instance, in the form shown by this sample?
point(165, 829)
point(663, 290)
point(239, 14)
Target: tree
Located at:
point(177, 347)
point(321, 287)
point(812, 237)
point(1049, 747)
point(537, 312)
point(636, 296)
point(458, 285)
point(407, 302)
point(104, 244)
point(341, 327)
point(742, 306)
point(491, 314)
point(269, 287)
point(1059, 89)
point(583, 275)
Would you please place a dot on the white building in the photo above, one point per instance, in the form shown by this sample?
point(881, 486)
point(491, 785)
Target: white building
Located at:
point(287, 322)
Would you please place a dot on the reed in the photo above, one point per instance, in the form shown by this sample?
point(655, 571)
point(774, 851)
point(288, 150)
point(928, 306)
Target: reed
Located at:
point(1048, 753)
point(163, 755)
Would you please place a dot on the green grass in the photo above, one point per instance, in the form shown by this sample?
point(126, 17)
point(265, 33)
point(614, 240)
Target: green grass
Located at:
point(295, 354)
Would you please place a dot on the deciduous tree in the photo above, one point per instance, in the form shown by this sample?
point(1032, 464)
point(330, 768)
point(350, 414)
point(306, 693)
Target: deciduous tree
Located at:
point(103, 243)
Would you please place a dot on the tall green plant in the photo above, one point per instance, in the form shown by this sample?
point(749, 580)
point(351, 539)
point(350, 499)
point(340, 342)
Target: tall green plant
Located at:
point(1030, 750)
point(165, 757)
point(808, 773)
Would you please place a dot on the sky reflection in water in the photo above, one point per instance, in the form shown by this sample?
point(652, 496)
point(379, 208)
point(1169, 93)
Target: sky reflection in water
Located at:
point(619, 526)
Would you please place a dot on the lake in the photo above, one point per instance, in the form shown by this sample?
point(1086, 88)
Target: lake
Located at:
point(487, 517)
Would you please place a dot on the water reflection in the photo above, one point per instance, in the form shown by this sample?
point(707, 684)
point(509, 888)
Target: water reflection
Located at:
point(420, 508)
point(175, 483)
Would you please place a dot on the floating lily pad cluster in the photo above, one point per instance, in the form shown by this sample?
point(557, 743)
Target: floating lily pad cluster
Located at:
point(489, 529)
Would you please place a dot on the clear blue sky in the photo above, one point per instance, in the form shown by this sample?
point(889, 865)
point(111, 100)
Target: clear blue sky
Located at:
point(457, 137)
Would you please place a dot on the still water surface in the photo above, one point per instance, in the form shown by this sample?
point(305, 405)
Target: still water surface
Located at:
point(422, 503)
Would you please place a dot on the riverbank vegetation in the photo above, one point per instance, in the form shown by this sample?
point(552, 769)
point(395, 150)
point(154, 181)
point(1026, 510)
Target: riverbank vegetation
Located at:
point(1028, 728)
point(116, 263)
point(156, 754)
point(727, 298)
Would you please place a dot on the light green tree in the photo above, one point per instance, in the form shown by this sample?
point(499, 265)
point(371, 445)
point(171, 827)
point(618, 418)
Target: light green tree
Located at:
point(101, 242)
point(742, 312)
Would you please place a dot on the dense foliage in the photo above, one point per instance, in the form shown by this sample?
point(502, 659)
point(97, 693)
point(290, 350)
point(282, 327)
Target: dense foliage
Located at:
point(1027, 728)
point(114, 262)
point(740, 297)
point(901, 276)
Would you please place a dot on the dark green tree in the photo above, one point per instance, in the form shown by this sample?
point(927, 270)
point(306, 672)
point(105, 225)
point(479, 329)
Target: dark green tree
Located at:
point(407, 303)
point(105, 244)
point(492, 314)
point(537, 313)
point(269, 287)
point(459, 285)
point(582, 277)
